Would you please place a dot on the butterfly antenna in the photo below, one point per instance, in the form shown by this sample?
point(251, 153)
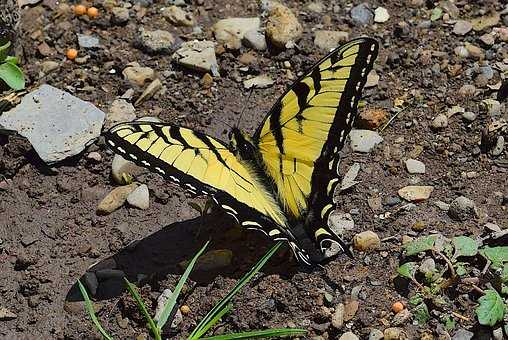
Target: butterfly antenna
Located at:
point(243, 110)
point(224, 122)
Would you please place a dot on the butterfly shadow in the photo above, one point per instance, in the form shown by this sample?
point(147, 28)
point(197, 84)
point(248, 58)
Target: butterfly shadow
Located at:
point(165, 252)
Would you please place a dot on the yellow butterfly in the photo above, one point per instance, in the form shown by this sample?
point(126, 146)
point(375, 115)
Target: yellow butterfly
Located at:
point(281, 180)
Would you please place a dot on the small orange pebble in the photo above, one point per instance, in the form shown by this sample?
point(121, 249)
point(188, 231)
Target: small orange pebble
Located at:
point(185, 309)
point(71, 54)
point(92, 12)
point(79, 10)
point(397, 307)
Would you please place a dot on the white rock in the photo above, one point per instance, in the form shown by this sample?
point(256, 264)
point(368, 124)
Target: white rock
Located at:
point(338, 316)
point(283, 28)
point(231, 31)
point(328, 40)
point(348, 336)
point(255, 40)
point(138, 75)
point(414, 166)
point(161, 302)
point(57, 124)
point(139, 198)
point(198, 55)
point(349, 179)
point(122, 169)
point(372, 79)
point(316, 7)
point(364, 140)
point(462, 27)
point(259, 82)
point(381, 15)
point(178, 16)
point(416, 193)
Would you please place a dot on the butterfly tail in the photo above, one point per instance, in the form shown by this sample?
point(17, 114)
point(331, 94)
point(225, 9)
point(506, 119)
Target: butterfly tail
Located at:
point(325, 238)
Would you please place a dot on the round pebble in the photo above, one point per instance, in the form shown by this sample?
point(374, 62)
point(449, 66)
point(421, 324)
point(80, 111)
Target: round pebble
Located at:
point(366, 241)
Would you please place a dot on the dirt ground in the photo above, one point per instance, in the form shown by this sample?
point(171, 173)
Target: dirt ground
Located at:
point(50, 233)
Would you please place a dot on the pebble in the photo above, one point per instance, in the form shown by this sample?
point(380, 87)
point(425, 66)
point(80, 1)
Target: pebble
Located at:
point(491, 106)
point(328, 40)
point(497, 334)
point(231, 31)
point(6, 314)
point(211, 260)
point(139, 197)
point(442, 205)
point(49, 66)
point(258, 82)
point(394, 333)
point(137, 74)
point(120, 111)
point(469, 116)
point(372, 118)
point(487, 71)
point(350, 310)
point(414, 166)
point(401, 318)
point(467, 91)
point(254, 39)
point(349, 179)
point(338, 316)
point(375, 334)
point(115, 199)
point(120, 15)
point(178, 16)
point(462, 208)
point(88, 41)
point(474, 51)
point(207, 81)
point(372, 79)
point(362, 15)
point(488, 39)
point(461, 51)
point(364, 140)
point(484, 22)
point(462, 27)
point(150, 91)
point(161, 302)
point(415, 193)
point(366, 241)
point(122, 169)
point(95, 156)
point(462, 334)
point(381, 15)
point(427, 267)
point(56, 123)
point(155, 42)
point(440, 122)
point(198, 55)
point(316, 7)
point(348, 336)
point(282, 27)
point(499, 147)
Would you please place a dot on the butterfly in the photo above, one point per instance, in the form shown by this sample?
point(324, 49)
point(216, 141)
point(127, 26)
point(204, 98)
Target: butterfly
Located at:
point(282, 179)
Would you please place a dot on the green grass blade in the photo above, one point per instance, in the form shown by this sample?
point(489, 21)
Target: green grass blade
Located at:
point(268, 333)
point(151, 324)
point(216, 318)
point(91, 312)
point(200, 328)
point(4, 49)
point(170, 304)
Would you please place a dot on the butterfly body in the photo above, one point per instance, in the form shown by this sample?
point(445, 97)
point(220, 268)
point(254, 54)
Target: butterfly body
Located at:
point(281, 180)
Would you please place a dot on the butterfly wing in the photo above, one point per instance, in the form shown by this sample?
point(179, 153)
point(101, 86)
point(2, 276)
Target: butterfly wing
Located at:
point(300, 139)
point(203, 166)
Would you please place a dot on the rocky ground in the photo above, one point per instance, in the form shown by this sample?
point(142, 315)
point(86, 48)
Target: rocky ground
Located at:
point(428, 157)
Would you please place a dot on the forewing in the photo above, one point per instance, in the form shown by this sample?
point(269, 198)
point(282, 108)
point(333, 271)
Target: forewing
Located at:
point(301, 137)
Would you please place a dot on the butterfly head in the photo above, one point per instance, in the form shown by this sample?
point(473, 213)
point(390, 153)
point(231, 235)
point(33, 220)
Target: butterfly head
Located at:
point(241, 144)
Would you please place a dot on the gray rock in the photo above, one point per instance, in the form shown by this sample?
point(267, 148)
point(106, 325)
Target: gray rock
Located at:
point(442, 205)
point(402, 317)
point(499, 147)
point(88, 41)
point(139, 198)
point(462, 334)
point(155, 42)
point(428, 266)
point(259, 82)
point(487, 71)
point(328, 40)
point(49, 66)
point(414, 166)
point(198, 55)
point(161, 302)
point(362, 15)
point(348, 336)
point(497, 334)
point(441, 121)
point(462, 27)
point(364, 140)
point(120, 15)
point(254, 39)
point(491, 106)
point(120, 111)
point(57, 124)
point(462, 208)
point(375, 334)
point(469, 116)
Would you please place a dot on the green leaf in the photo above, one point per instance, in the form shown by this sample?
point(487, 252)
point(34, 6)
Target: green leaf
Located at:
point(421, 313)
point(268, 333)
point(464, 246)
point(449, 322)
point(13, 76)
point(504, 274)
point(408, 270)
point(4, 49)
point(200, 329)
point(419, 245)
point(436, 14)
point(498, 255)
point(12, 60)
point(171, 302)
point(491, 308)
point(460, 268)
point(415, 300)
point(151, 324)
point(91, 312)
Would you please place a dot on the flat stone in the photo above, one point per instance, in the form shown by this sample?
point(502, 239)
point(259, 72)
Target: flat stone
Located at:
point(375, 334)
point(364, 140)
point(139, 197)
point(231, 31)
point(57, 124)
point(462, 27)
point(487, 21)
point(362, 15)
point(416, 193)
point(254, 39)
point(349, 179)
point(155, 42)
point(259, 82)
point(499, 147)
point(316, 7)
point(120, 111)
point(6, 314)
point(120, 15)
point(414, 166)
point(198, 55)
point(178, 16)
point(115, 199)
point(161, 302)
point(88, 41)
point(338, 316)
point(138, 75)
point(381, 15)
point(329, 40)
point(49, 66)
point(283, 28)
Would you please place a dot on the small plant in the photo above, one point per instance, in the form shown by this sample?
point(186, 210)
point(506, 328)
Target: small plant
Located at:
point(10, 73)
point(213, 316)
point(451, 266)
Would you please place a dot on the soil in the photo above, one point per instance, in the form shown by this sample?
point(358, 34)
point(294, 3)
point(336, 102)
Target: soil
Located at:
point(50, 233)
